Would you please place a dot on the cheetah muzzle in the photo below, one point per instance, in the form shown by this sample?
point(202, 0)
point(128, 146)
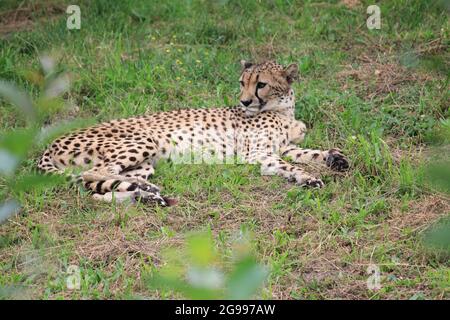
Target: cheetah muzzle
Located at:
point(118, 157)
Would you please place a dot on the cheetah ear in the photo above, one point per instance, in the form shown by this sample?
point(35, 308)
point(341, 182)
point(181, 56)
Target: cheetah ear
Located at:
point(246, 64)
point(291, 72)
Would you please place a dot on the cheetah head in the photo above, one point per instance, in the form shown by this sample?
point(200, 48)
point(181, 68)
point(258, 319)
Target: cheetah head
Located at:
point(264, 86)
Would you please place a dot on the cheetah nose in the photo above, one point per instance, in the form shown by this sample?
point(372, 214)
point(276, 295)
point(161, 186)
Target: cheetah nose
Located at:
point(246, 103)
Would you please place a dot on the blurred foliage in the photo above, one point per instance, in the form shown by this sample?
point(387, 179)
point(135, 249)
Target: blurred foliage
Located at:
point(129, 50)
point(438, 175)
point(437, 237)
point(198, 271)
point(437, 171)
point(441, 133)
point(16, 143)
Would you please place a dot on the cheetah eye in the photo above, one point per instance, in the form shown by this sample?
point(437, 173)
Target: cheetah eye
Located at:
point(261, 85)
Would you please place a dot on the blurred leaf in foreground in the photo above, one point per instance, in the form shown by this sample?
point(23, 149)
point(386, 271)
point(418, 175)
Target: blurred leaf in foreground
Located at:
point(440, 135)
point(51, 132)
point(36, 182)
point(8, 163)
point(16, 144)
point(7, 209)
point(18, 98)
point(437, 237)
point(197, 271)
point(438, 175)
point(437, 170)
point(245, 279)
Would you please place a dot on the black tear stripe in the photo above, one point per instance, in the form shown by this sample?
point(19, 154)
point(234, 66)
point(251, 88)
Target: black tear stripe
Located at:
point(261, 102)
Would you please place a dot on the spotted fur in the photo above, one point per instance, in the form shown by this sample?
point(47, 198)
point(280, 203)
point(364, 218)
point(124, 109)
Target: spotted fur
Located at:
point(118, 156)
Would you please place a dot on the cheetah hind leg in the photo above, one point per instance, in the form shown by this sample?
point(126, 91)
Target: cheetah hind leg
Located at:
point(138, 195)
point(137, 174)
point(112, 190)
point(144, 171)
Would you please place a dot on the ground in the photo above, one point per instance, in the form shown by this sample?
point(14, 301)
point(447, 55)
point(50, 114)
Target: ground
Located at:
point(379, 95)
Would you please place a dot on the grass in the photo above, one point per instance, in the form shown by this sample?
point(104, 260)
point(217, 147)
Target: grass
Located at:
point(379, 95)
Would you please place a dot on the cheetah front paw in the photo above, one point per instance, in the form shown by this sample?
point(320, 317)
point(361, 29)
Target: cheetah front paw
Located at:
point(149, 187)
point(337, 161)
point(151, 198)
point(306, 181)
point(314, 183)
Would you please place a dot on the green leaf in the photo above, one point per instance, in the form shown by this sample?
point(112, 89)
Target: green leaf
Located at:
point(8, 163)
point(18, 142)
point(246, 278)
point(7, 209)
point(160, 282)
point(438, 175)
point(201, 249)
point(36, 182)
point(49, 133)
point(18, 98)
point(437, 236)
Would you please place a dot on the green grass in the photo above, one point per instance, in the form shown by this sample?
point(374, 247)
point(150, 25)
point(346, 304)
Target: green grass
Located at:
point(132, 57)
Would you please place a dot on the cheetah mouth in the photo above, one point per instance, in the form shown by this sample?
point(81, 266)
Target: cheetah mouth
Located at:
point(254, 109)
point(249, 112)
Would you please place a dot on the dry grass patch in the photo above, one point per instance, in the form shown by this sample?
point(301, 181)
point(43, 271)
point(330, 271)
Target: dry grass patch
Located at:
point(25, 16)
point(329, 264)
point(375, 79)
point(350, 3)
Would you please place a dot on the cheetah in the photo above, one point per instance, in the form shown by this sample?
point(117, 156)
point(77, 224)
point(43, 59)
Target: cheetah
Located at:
point(118, 157)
